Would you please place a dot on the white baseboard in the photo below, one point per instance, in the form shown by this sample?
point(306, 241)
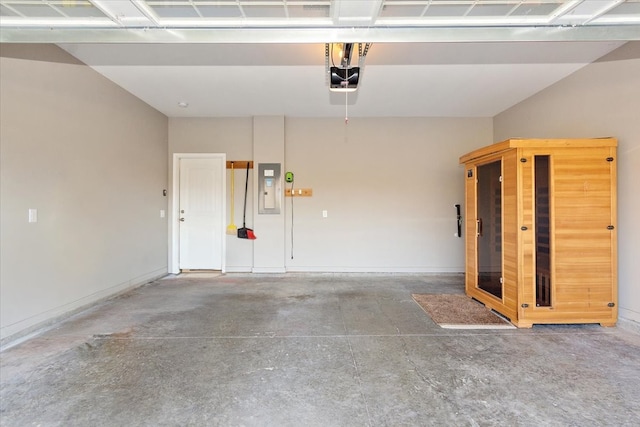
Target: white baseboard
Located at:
point(238, 269)
point(629, 325)
point(21, 331)
point(268, 270)
point(389, 270)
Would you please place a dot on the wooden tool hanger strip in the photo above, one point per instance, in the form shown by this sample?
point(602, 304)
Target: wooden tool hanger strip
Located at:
point(240, 164)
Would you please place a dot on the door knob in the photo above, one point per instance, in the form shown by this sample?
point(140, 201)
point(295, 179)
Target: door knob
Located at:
point(181, 219)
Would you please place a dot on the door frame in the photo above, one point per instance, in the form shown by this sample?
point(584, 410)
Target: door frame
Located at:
point(174, 203)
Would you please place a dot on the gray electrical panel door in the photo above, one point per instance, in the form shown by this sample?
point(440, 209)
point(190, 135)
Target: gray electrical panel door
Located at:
point(269, 188)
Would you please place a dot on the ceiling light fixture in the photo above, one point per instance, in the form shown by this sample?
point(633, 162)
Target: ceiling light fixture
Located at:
point(183, 104)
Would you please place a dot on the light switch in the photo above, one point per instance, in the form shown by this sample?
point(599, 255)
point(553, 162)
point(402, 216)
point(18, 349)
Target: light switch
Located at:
point(162, 213)
point(325, 214)
point(33, 215)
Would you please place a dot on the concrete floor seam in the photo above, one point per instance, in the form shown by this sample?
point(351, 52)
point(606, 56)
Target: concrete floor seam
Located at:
point(312, 350)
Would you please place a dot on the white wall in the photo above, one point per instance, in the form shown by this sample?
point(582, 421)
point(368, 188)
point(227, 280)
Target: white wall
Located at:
point(233, 136)
point(602, 99)
point(91, 158)
point(268, 148)
point(389, 186)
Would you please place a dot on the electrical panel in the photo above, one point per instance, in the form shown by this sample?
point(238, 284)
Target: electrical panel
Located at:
point(269, 188)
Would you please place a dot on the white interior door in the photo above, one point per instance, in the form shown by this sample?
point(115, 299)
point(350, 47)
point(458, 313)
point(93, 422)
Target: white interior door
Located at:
point(201, 216)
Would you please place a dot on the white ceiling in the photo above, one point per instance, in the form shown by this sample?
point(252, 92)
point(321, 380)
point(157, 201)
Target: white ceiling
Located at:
point(437, 58)
point(417, 79)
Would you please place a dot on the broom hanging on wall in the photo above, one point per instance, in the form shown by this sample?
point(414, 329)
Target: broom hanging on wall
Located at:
point(244, 232)
point(231, 228)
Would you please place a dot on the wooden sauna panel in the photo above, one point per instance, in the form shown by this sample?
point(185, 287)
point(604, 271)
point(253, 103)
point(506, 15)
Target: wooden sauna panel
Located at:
point(580, 256)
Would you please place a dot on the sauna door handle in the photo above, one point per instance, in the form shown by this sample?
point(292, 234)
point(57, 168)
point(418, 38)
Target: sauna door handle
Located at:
point(479, 226)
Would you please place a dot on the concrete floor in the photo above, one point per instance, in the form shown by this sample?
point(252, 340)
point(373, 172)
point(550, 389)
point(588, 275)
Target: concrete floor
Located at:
point(312, 350)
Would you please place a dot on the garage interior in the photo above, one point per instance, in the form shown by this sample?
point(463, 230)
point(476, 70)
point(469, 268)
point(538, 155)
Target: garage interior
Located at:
point(101, 105)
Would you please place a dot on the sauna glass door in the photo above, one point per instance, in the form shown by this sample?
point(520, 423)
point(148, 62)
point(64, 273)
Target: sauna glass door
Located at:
point(489, 228)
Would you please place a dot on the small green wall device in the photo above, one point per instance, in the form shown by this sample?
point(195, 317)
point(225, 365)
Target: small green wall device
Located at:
point(288, 176)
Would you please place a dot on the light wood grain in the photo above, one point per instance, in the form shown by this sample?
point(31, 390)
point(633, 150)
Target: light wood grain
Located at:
point(583, 233)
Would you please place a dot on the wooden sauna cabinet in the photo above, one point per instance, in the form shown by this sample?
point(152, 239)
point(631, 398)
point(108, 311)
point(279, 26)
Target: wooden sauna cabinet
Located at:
point(540, 226)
